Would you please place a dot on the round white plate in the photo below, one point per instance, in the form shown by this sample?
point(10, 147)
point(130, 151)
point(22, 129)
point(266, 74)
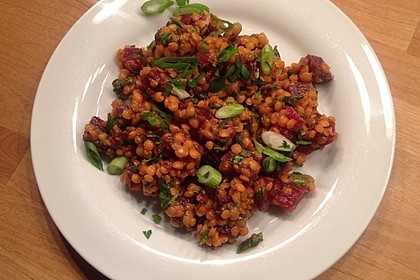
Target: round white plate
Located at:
point(102, 220)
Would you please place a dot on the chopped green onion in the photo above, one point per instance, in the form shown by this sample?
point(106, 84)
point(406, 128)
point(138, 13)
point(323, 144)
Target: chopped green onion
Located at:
point(269, 164)
point(229, 111)
point(147, 233)
point(183, 65)
point(193, 82)
point(155, 6)
point(143, 211)
point(277, 141)
point(209, 176)
point(117, 165)
point(156, 218)
point(93, 155)
point(249, 243)
point(260, 148)
point(181, 93)
point(227, 52)
point(275, 155)
point(303, 142)
point(267, 62)
point(300, 179)
point(194, 8)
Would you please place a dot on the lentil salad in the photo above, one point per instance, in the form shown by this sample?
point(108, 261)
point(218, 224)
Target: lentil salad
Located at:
point(213, 123)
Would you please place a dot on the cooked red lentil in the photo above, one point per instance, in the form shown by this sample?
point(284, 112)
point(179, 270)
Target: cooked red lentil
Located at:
point(210, 171)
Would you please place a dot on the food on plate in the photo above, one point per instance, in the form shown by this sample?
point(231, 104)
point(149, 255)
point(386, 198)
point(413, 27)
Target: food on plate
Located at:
point(213, 124)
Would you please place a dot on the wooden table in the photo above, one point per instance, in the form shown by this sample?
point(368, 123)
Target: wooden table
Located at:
point(31, 247)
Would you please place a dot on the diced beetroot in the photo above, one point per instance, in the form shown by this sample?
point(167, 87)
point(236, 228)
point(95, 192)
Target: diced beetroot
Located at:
point(299, 88)
point(203, 60)
point(203, 114)
point(292, 114)
point(317, 67)
point(153, 82)
point(132, 59)
point(287, 133)
point(286, 196)
point(186, 19)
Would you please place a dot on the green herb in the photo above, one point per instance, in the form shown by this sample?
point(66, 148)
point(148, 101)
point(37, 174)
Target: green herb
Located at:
point(209, 176)
point(164, 193)
point(203, 237)
point(193, 82)
point(269, 165)
point(153, 120)
point(93, 155)
point(143, 211)
point(249, 243)
point(290, 100)
point(147, 233)
point(194, 8)
point(117, 165)
point(154, 159)
point(155, 6)
point(161, 113)
point(183, 65)
point(229, 111)
point(223, 122)
point(165, 37)
point(233, 73)
point(118, 85)
point(217, 84)
point(257, 95)
point(245, 72)
point(260, 194)
point(134, 168)
point(276, 52)
point(220, 145)
point(267, 59)
point(110, 123)
point(227, 52)
point(303, 142)
point(156, 218)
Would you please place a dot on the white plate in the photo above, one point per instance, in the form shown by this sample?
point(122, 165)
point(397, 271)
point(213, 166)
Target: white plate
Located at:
point(102, 220)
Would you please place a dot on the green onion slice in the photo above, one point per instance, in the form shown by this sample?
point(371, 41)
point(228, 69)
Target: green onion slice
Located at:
point(275, 155)
point(277, 141)
point(194, 8)
point(269, 164)
point(249, 243)
point(93, 155)
point(117, 165)
point(209, 176)
point(183, 65)
point(229, 111)
point(267, 62)
point(155, 6)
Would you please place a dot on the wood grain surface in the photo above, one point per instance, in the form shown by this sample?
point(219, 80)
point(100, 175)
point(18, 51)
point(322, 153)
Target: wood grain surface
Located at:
point(31, 247)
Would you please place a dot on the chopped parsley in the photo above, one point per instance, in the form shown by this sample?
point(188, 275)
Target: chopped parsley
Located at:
point(147, 233)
